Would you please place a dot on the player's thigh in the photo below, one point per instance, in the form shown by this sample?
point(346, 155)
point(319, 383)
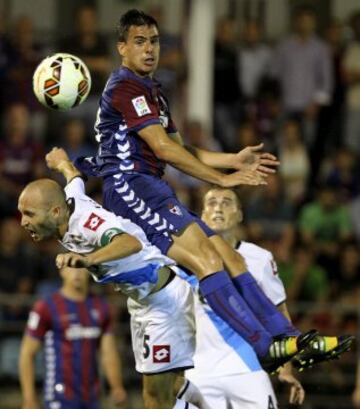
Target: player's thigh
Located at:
point(163, 329)
point(249, 391)
point(233, 261)
point(193, 250)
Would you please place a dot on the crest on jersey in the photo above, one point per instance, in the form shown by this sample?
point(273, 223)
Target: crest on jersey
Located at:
point(93, 222)
point(161, 353)
point(175, 209)
point(141, 106)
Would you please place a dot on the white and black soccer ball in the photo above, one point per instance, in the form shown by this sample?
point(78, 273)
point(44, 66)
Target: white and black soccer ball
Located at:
point(61, 81)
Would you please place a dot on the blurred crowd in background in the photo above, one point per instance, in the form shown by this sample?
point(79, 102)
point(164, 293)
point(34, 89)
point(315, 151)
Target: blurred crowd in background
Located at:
point(299, 96)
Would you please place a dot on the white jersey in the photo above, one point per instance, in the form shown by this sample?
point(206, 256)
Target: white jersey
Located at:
point(220, 351)
point(91, 227)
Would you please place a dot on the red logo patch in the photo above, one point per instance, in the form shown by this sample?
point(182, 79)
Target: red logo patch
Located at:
point(93, 222)
point(161, 353)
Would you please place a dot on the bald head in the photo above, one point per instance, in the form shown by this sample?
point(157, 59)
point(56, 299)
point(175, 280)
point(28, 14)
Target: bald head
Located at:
point(44, 193)
point(43, 208)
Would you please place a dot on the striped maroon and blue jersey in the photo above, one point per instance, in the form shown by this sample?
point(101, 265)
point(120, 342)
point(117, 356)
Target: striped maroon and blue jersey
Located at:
point(128, 104)
point(71, 333)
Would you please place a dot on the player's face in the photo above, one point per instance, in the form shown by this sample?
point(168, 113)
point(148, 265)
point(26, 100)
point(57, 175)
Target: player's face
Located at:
point(140, 52)
point(36, 219)
point(221, 211)
point(76, 279)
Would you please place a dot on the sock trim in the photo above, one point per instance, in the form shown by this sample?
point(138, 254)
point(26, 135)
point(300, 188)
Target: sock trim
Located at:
point(183, 389)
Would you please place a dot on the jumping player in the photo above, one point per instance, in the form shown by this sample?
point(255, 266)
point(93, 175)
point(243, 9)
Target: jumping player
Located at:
point(117, 251)
point(137, 137)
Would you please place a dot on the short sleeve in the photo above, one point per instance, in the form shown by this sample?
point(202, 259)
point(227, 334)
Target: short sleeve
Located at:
point(75, 188)
point(137, 107)
point(39, 321)
point(271, 283)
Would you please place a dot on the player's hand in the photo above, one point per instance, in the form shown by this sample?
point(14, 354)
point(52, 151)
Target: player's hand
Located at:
point(118, 396)
point(55, 157)
point(356, 397)
point(244, 177)
point(71, 260)
point(297, 392)
point(252, 158)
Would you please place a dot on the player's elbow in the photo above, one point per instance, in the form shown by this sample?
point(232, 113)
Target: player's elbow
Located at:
point(162, 151)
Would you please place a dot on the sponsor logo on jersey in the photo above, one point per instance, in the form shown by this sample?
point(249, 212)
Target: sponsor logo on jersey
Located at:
point(93, 222)
point(79, 332)
point(175, 209)
point(141, 106)
point(161, 353)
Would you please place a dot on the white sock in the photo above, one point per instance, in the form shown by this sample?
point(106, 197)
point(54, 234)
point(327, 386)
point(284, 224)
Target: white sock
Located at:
point(189, 393)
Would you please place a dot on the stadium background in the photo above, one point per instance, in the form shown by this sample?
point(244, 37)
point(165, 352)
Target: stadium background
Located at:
point(205, 68)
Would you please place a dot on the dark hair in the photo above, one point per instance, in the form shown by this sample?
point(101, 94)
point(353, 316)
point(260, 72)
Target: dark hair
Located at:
point(133, 17)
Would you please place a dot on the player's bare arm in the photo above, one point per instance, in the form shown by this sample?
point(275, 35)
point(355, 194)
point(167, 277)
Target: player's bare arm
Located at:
point(166, 149)
point(121, 246)
point(251, 158)
point(58, 160)
point(29, 348)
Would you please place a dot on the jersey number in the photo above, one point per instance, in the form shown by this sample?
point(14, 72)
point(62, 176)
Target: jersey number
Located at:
point(146, 351)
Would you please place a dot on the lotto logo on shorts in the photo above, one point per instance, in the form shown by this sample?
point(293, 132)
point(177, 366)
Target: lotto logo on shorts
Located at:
point(161, 353)
point(93, 222)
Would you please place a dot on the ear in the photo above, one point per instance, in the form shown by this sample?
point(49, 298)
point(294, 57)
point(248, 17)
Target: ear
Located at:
point(240, 216)
point(121, 47)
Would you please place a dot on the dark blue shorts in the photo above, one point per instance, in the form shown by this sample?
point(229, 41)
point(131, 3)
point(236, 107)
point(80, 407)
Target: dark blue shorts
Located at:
point(151, 203)
point(71, 404)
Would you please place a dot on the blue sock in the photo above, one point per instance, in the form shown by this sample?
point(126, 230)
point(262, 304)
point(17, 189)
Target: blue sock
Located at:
point(264, 310)
point(225, 300)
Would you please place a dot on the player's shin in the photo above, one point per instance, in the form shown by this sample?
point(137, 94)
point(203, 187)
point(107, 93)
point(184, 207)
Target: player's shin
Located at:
point(225, 300)
point(264, 310)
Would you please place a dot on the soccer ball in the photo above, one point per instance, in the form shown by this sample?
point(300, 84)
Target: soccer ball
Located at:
point(61, 81)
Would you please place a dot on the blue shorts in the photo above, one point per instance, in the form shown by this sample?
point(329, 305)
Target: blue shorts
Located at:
point(151, 203)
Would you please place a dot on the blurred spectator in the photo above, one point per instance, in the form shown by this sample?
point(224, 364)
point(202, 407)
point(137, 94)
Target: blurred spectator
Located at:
point(25, 56)
point(325, 226)
point(254, 60)
point(304, 280)
point(226, 88)
point(5, 59)
point(351, 67)
point(270, 219)
point(247, 136)
point(333, 124)
point(18, 268)
point(21, 159)
point(74, 139)
point(346, 283)
point(343, 173)
point(295, 163)
point(91, 46)
point(354, 210)
point(303, 66)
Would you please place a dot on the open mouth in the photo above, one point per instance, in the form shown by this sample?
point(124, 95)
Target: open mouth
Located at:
point(218, 219)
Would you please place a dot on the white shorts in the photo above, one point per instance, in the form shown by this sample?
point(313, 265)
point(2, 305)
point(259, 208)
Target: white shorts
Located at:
point(163, 329)
point(252, 390)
